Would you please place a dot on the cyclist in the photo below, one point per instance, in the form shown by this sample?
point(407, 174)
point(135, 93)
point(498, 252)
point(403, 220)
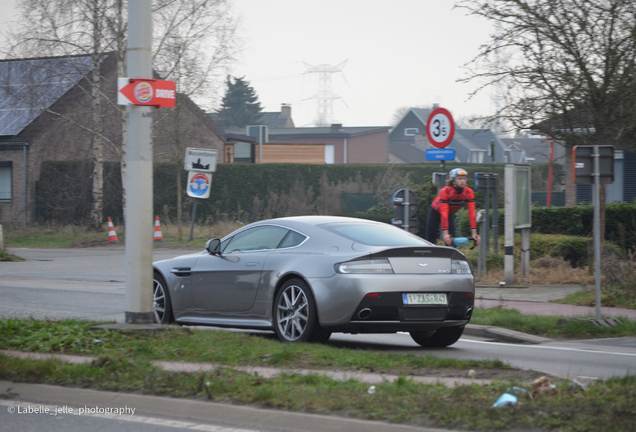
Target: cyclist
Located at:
point(450, 199)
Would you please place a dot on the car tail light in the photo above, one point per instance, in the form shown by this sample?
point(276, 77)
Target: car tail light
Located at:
point(364, 266)
point(460, 267)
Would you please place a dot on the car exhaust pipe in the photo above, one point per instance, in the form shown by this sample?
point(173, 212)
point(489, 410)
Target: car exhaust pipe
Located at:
point(364, 313)
point(469, 313)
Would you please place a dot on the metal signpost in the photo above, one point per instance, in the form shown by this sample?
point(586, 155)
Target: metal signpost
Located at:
point(488, 183)
point(594, 165)
point(200, 164)
point(261, 133)
point(404, 203)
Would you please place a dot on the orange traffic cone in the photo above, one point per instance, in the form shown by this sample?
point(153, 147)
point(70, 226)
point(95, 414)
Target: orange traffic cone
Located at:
point(158, 235)
point(112, 235)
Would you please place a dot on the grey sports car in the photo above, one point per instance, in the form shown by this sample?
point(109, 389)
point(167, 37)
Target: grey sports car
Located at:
point(308, 276)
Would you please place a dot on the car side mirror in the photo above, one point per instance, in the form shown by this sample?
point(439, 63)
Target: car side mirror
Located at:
point(213, 246)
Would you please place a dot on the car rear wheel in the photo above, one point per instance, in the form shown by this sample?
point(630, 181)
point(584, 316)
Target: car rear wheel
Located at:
point(442, 337)
point(295, 314)
point(161, 306)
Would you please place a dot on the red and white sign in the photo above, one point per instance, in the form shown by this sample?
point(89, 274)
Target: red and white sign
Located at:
point(150, 92)
point(440, 127)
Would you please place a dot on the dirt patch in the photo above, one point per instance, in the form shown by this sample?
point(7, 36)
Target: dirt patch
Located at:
point(492, 374)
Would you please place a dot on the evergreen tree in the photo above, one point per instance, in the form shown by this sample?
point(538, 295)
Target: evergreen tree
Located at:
point(240, 105)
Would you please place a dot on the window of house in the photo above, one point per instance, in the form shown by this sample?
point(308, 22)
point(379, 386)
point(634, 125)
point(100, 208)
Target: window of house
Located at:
point(411, 131)
point(243, 152)
point(5, 182)
point(508, 156)
point(476, 156)
point(329, 154)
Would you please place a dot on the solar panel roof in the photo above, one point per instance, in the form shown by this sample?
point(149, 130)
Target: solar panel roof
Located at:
point(30, 86)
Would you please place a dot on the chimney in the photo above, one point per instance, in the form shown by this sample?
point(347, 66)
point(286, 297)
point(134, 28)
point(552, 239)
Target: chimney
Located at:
point(336, 127)
point(285, 110)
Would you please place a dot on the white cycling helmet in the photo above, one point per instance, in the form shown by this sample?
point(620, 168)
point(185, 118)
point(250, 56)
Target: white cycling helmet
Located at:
point(457, 172)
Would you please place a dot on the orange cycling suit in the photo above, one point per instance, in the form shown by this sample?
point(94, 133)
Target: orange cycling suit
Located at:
point(449, 200)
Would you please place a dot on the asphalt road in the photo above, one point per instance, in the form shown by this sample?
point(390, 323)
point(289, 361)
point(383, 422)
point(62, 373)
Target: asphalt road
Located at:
point(90, 284)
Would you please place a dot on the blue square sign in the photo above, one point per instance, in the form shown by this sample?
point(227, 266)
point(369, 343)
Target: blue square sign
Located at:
point(440, 154)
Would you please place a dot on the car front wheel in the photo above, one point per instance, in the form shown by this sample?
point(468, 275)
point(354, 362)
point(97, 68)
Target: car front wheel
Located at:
point(295, 314)
point(161, 306)
point(442, 337)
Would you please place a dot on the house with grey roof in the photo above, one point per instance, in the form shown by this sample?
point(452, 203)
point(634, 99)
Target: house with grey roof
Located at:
point(537, 150)
point(408, 142)
point(278, 120)
point(333, 144)
point(46, 115)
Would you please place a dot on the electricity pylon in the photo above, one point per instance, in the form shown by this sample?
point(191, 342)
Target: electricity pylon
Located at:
point(325, 95)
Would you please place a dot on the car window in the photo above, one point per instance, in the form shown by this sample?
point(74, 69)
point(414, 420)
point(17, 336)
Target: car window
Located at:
point(375, 234)
point(292, 239)
point(258, 238)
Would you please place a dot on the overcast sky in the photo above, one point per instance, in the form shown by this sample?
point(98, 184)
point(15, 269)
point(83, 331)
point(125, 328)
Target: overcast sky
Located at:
point(393, 54)
point(398, 53)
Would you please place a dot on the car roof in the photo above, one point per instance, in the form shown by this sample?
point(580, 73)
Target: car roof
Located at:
point(317, 220)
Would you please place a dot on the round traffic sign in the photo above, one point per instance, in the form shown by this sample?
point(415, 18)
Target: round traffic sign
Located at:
point(199, 185)
point(397, 201)
point(440, 127)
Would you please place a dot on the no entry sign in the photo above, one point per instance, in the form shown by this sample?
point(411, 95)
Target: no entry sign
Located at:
point(150, 92)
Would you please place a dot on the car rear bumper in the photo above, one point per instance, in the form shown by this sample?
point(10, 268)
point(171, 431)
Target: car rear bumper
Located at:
point(344, 305)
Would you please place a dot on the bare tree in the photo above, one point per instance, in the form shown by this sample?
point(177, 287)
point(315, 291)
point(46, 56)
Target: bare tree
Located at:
point(566, 68)
point(72, 28)
point(194, 45)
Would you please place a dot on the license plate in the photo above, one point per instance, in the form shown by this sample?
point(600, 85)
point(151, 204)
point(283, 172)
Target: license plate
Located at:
point(424, 299)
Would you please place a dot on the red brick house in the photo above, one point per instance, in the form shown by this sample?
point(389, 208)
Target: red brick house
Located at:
point(46, 115)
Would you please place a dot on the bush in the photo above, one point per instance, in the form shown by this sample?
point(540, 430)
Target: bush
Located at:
point(573, 221)
point(493, 261)
point(573, 250)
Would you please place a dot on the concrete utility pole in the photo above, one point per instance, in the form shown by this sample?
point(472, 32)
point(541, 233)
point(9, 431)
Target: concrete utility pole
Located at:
point(509, 231)
point(139, 227)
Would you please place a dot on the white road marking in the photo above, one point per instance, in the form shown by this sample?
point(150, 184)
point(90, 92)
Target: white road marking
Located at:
point(552, 348)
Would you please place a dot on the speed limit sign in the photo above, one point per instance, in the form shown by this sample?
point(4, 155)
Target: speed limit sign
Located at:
point(440, 127)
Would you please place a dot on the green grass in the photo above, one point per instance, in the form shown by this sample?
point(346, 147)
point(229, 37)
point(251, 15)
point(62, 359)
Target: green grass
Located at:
point(49, 236)
point(6, 256)
point(227, 348)
point(548, 326)
point(123, 363)
point(53, 236)
point(612, 296)
point(607, 406)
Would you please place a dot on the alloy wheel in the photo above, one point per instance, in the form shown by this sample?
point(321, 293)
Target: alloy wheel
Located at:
point(158, 301)
point(292, 313)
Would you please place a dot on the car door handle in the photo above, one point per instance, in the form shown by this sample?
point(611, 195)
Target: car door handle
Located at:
point(251, 264)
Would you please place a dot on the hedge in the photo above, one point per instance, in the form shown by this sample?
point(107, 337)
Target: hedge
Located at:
point(578, 221)
point(236, 188)
point(249, 192)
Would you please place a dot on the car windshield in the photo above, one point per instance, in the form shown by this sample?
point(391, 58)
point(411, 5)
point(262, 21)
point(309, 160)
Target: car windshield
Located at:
point(375, 234)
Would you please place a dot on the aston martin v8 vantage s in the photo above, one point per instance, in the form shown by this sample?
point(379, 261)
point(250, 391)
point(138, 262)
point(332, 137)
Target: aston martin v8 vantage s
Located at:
point(308, 276)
